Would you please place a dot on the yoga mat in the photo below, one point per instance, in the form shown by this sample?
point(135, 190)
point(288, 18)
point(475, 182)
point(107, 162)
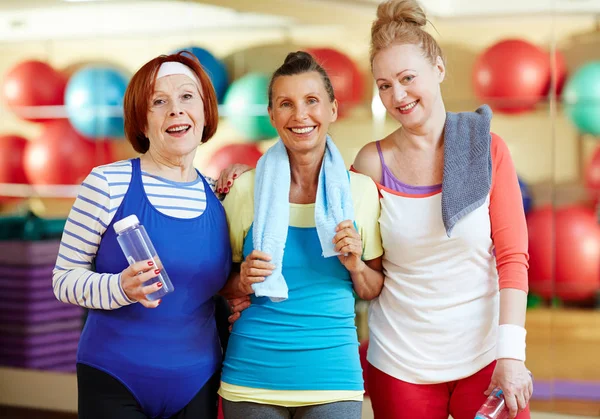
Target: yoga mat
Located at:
point(17, 252)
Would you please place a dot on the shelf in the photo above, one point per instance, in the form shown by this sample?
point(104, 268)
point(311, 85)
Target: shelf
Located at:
point(38, 191)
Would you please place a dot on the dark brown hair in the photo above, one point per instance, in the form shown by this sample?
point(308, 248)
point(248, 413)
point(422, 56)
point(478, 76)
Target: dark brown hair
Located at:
point(301, 62)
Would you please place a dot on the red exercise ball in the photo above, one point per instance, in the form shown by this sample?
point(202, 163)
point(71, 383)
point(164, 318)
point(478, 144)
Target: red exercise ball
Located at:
point(560, 68)
point(61, 156)
point(33, 83)
point(592, 175)
point(245, 153)
point(12, 149)
point(345, 76)
point(576, 246)
point(512, 76)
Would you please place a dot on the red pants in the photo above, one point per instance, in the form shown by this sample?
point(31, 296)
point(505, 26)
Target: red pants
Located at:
point(396, 399)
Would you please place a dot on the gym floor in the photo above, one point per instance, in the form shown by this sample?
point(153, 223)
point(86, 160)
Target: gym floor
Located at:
point(18, 413)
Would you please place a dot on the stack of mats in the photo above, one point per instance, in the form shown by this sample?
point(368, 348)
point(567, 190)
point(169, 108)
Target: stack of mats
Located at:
point(36, 330)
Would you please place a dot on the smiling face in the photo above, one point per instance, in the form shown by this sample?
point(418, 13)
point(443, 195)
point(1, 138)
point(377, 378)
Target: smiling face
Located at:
point(301, 111)
point(175, 116)
point(409, 85)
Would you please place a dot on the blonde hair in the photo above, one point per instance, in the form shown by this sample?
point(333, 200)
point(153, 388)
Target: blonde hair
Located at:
point(402, 22)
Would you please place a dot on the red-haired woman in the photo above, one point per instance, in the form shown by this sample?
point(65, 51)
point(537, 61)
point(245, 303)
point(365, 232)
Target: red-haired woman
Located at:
point(139, 358)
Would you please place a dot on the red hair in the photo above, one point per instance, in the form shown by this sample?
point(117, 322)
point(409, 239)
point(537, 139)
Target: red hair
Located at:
point(139, 93)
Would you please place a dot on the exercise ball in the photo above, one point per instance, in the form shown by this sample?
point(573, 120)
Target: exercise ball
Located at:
point(12, 149)
point(70, 69)
point(246, 104)
point(60, 155)
point(345, 76)
point(94, 101)
point(582, 98)
point(512, 76)
point(245, 153)
point(559, 72)
point(592, 175)
point(33, 83)
point(527, 201)
point(215, 69)
point(575, 247)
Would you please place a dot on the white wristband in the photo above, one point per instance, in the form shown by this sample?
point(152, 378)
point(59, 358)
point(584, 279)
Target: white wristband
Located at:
point(511, 342)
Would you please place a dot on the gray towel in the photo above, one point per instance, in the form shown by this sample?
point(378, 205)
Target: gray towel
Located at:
point(467, 164)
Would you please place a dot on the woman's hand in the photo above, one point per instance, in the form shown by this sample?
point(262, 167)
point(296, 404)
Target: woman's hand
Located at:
point(253, 270)
point(228, 175)
point(348, 243)
point(237, 305)
point(133, 279)
point(513, 378)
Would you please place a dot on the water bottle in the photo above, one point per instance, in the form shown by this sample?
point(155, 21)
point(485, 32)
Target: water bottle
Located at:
point(136, 246)
point(494, 407)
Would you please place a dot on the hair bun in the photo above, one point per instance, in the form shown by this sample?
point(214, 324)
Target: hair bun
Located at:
point(408, 11)
point(298, 56)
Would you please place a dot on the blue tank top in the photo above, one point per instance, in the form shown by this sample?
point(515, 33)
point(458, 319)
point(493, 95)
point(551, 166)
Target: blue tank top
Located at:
point(307, 342)
point(178, 340)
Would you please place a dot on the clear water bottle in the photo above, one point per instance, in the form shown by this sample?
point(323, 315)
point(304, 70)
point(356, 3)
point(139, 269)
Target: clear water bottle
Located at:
point(495, 406)
point(136, 246)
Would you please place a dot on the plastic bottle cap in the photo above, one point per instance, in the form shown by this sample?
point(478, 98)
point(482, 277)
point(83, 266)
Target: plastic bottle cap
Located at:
point(126, 223)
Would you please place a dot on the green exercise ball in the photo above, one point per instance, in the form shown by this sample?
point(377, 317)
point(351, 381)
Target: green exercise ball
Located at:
point(582, 98)
point(246, 104)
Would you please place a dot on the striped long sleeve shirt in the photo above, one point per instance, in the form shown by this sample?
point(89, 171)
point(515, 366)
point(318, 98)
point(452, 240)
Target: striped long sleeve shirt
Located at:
point(99, 197)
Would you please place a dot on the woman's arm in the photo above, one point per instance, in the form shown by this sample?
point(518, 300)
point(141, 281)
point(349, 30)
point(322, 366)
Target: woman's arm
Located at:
point(256, 268)
point(365, 264)
point(367, 276)
point(238, 206)
point(509, 234)
point(368, 283)
point(73, 280)
point(253, 270)
point(232, 287)
point(228, 175)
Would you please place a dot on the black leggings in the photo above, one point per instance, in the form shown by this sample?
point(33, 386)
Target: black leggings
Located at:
point(101, 396)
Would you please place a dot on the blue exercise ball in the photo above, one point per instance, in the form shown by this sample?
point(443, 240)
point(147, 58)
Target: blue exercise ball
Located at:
point(527, 200)
point(215, 69)
point(94, 101)
point(582, 98)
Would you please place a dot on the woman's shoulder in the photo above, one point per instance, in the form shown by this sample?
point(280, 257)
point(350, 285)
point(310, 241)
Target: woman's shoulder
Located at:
point(496, 141)
point(110, 178)
point(367, 154)
point(243, 187)
point(246, 180)
point(368, 162)
point(119, 167)
point(362, 186)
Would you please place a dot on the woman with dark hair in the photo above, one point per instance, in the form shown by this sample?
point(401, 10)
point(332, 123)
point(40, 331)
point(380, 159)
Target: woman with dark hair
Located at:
point(294, 351)
point(141, 358)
